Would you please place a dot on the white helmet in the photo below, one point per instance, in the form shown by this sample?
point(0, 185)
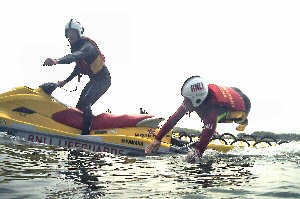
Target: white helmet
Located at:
point(195, 89)
point(73, 24)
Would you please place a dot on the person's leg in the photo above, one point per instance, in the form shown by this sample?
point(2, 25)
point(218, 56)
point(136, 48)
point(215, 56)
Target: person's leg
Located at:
point(84, 105)
point(244, 122)
point(245, 98)
point(87, 120)
point(90, 94)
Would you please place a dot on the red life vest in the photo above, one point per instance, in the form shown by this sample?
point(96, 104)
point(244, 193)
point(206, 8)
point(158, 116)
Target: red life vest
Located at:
point(226, 96)
point(96, 66)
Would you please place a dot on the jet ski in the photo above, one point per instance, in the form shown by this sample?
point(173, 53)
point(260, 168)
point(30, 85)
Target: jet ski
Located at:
point(36, 116)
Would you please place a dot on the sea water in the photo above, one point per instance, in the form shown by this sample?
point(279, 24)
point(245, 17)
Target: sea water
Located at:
point(38, 171)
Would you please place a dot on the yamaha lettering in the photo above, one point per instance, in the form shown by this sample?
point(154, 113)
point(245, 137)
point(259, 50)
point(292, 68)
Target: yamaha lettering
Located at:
point(196, 87)
point(133, 142)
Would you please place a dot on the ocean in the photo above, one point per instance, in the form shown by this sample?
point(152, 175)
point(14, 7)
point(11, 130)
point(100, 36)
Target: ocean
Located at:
point(38, 171)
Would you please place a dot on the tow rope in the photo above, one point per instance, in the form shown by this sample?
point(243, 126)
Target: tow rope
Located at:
point(75, 89)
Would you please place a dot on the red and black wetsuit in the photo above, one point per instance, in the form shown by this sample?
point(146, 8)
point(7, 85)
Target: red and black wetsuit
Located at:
point(89, 61)
point(219, 103)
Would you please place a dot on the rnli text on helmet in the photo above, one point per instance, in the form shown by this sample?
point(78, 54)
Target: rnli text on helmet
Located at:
point(197, 87)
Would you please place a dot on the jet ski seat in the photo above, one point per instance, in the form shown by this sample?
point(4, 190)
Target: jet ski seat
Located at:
point(74, 117)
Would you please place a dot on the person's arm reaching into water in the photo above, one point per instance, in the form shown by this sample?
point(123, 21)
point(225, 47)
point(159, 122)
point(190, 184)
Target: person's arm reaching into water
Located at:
point(172, 121)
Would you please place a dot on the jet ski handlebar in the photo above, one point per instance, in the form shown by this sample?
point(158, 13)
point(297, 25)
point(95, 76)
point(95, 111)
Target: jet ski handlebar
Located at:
point(48, 87)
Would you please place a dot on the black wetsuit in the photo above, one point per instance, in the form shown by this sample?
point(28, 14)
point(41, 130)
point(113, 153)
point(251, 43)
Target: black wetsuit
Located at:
point(85, 51)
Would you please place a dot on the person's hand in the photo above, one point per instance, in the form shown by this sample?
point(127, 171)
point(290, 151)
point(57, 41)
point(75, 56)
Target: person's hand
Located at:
point(153, 146)
point(193, 156)
point(61, 83)
point(50, 62)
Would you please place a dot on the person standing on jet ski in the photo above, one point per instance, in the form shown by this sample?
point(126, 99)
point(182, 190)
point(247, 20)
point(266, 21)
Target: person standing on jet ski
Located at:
point(213, 104)
point(89, 61)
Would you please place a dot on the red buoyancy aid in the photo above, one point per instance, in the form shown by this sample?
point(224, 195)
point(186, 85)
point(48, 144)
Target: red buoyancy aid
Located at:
point(227, 96)
point(96, 66)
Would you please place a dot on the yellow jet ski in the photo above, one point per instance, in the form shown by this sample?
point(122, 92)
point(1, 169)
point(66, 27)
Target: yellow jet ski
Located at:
point(36, 116)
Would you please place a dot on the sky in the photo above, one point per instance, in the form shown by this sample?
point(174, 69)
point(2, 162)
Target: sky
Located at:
point(152, 47)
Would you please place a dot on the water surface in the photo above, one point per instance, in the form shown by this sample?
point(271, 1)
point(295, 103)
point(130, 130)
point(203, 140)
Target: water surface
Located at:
point(38, 171)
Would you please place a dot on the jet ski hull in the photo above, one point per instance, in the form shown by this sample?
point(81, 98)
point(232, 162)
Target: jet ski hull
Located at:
point(110, 143)
point(28, 114)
